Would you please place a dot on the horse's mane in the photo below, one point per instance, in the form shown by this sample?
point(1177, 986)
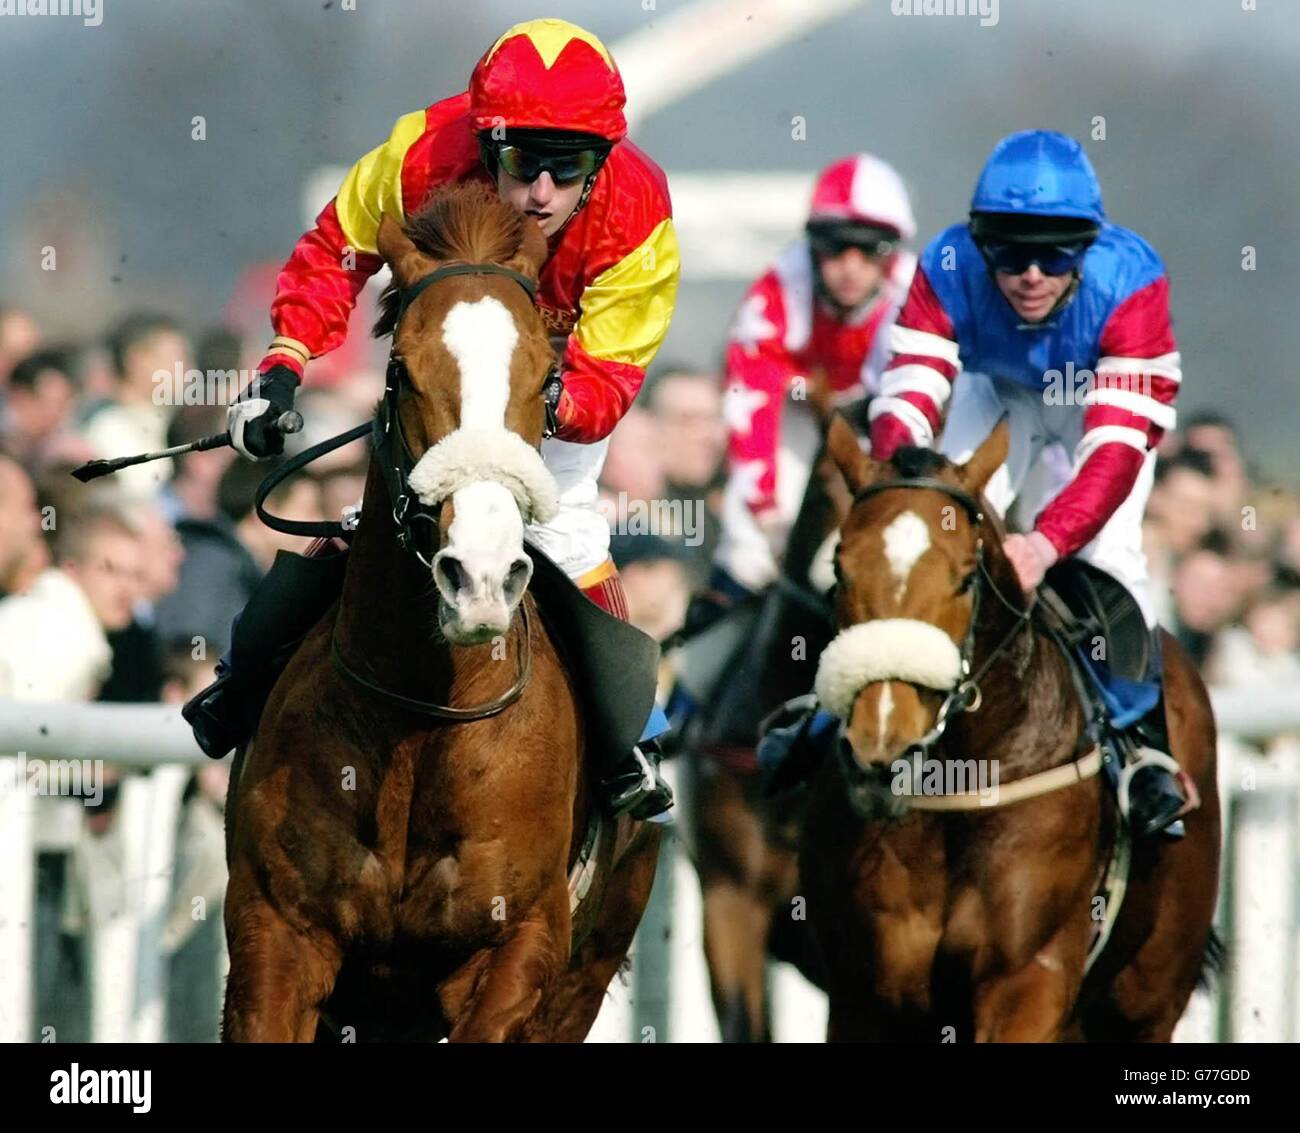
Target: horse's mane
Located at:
point(465, 222)
point(913, 463)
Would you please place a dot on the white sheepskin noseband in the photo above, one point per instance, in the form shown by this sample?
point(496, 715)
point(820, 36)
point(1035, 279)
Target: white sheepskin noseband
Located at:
point(466, 456)
point(889, 649)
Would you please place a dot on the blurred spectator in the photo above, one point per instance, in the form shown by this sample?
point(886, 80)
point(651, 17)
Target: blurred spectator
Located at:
point(634, 464)
point(693, 438)
point(1265, 648)
point(53, 643)
point(23, 554)
point(141, 348)
point(1216, 436)
point(39, 412)
point(19, 337)
point(687, 407)
point(191, 493)
point(226, 556)
point(1205, 599)
point(654, 579)
point(137, 674)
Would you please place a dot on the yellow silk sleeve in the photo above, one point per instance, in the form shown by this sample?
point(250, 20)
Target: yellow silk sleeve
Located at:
point(374, 185)
point(627, 308)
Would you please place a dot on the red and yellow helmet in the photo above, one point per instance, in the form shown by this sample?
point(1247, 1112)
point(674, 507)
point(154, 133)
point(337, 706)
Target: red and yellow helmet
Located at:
point(548, 75)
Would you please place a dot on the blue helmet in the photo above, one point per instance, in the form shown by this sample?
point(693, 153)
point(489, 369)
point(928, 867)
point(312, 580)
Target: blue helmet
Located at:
point(1039, 173)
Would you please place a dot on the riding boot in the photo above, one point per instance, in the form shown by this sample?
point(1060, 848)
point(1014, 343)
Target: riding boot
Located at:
point(796, 739)
point(1156, 799)
point(288, 602)
point(634, 785)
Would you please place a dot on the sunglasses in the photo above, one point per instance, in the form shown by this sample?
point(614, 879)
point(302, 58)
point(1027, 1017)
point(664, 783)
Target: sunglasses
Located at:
point(832, 246)
point(1052, 259)
point(564, 168)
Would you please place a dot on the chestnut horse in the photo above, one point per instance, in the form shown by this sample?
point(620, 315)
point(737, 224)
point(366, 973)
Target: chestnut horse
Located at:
point(402, 828)
point(943, 924)
point(745, 839)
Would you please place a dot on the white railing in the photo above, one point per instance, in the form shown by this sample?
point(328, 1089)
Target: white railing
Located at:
point(1258, 999)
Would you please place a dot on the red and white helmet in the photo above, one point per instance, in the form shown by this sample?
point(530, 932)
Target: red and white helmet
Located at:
point(862, 190)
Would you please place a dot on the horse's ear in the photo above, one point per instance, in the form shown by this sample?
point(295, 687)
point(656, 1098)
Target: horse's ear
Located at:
point(842, 444)
point(399, 253)
point(988, 458)
point(532, 251)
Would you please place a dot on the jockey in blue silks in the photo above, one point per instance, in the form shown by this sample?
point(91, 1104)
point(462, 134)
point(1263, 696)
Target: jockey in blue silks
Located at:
point(1040, 309)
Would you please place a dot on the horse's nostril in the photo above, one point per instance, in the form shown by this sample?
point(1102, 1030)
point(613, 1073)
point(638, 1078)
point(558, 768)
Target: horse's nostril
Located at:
point(450, 572)
point(521, 570)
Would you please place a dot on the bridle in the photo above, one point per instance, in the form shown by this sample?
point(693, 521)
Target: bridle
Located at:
point(965, 696)
point(395, 457)
point(396, 460)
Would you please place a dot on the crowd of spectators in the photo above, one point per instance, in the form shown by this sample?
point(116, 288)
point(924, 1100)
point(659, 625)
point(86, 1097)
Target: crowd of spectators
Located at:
point(124, 589)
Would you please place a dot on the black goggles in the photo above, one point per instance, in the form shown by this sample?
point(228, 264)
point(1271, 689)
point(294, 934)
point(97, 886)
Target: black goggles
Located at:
point(564, 168)
point(1052, 259)
point(830, 245)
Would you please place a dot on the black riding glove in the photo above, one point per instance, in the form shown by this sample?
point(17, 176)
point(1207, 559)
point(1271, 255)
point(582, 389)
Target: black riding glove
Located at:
point(253, 419)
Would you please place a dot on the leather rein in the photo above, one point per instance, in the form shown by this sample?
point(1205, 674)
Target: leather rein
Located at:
point(396, 460)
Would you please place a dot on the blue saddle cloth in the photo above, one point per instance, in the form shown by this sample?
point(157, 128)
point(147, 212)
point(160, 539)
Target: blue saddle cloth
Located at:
point(1125, 701)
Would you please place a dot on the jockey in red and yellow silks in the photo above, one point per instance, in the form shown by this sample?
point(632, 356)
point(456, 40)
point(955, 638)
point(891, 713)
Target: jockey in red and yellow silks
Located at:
point(542, 123)
point(610, 282)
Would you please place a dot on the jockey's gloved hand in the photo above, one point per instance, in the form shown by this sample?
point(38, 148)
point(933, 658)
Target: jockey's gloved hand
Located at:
point(253, 418)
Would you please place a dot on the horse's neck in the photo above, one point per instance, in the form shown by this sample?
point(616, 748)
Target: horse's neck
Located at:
point(1029, 717)
point(387, 594)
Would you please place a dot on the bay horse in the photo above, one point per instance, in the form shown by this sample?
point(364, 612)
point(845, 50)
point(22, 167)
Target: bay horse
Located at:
point(745, 839)
point(402, 828)
point(975, 924)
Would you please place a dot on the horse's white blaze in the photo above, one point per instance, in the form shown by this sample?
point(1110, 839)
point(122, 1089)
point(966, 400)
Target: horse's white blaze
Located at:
point(492, 476)
point(907, 538)
point(886, 710)
point(482, 336)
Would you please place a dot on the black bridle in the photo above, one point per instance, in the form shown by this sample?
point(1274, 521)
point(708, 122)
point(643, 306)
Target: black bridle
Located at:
point(395, 457)
point(966, 696)
point(396, 460)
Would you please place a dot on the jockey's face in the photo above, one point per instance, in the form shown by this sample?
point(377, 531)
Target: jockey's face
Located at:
point(1032, 293)
point(549, 204)
point(851, 276)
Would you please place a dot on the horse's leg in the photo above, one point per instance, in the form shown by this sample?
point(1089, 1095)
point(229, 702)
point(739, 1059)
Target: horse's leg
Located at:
point(1031, 1005)
point(279, 977)
point(736, 923)
point(574, 1002)
point(1149, 995)
point(493, 996)
point(731, 851)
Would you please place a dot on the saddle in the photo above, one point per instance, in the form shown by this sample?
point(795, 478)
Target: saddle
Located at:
point(614, 665)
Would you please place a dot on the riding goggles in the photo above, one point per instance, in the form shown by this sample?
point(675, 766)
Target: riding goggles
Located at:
point(829, 245)
point(564, 168)
point(1052, 259)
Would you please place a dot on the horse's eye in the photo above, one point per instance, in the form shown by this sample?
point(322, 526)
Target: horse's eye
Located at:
point(967, 582)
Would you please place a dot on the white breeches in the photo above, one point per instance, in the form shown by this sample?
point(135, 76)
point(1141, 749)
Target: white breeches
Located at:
point(1040, 464)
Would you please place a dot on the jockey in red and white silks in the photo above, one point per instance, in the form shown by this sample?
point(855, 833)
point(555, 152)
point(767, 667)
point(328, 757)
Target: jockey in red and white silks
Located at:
point(826, 305)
